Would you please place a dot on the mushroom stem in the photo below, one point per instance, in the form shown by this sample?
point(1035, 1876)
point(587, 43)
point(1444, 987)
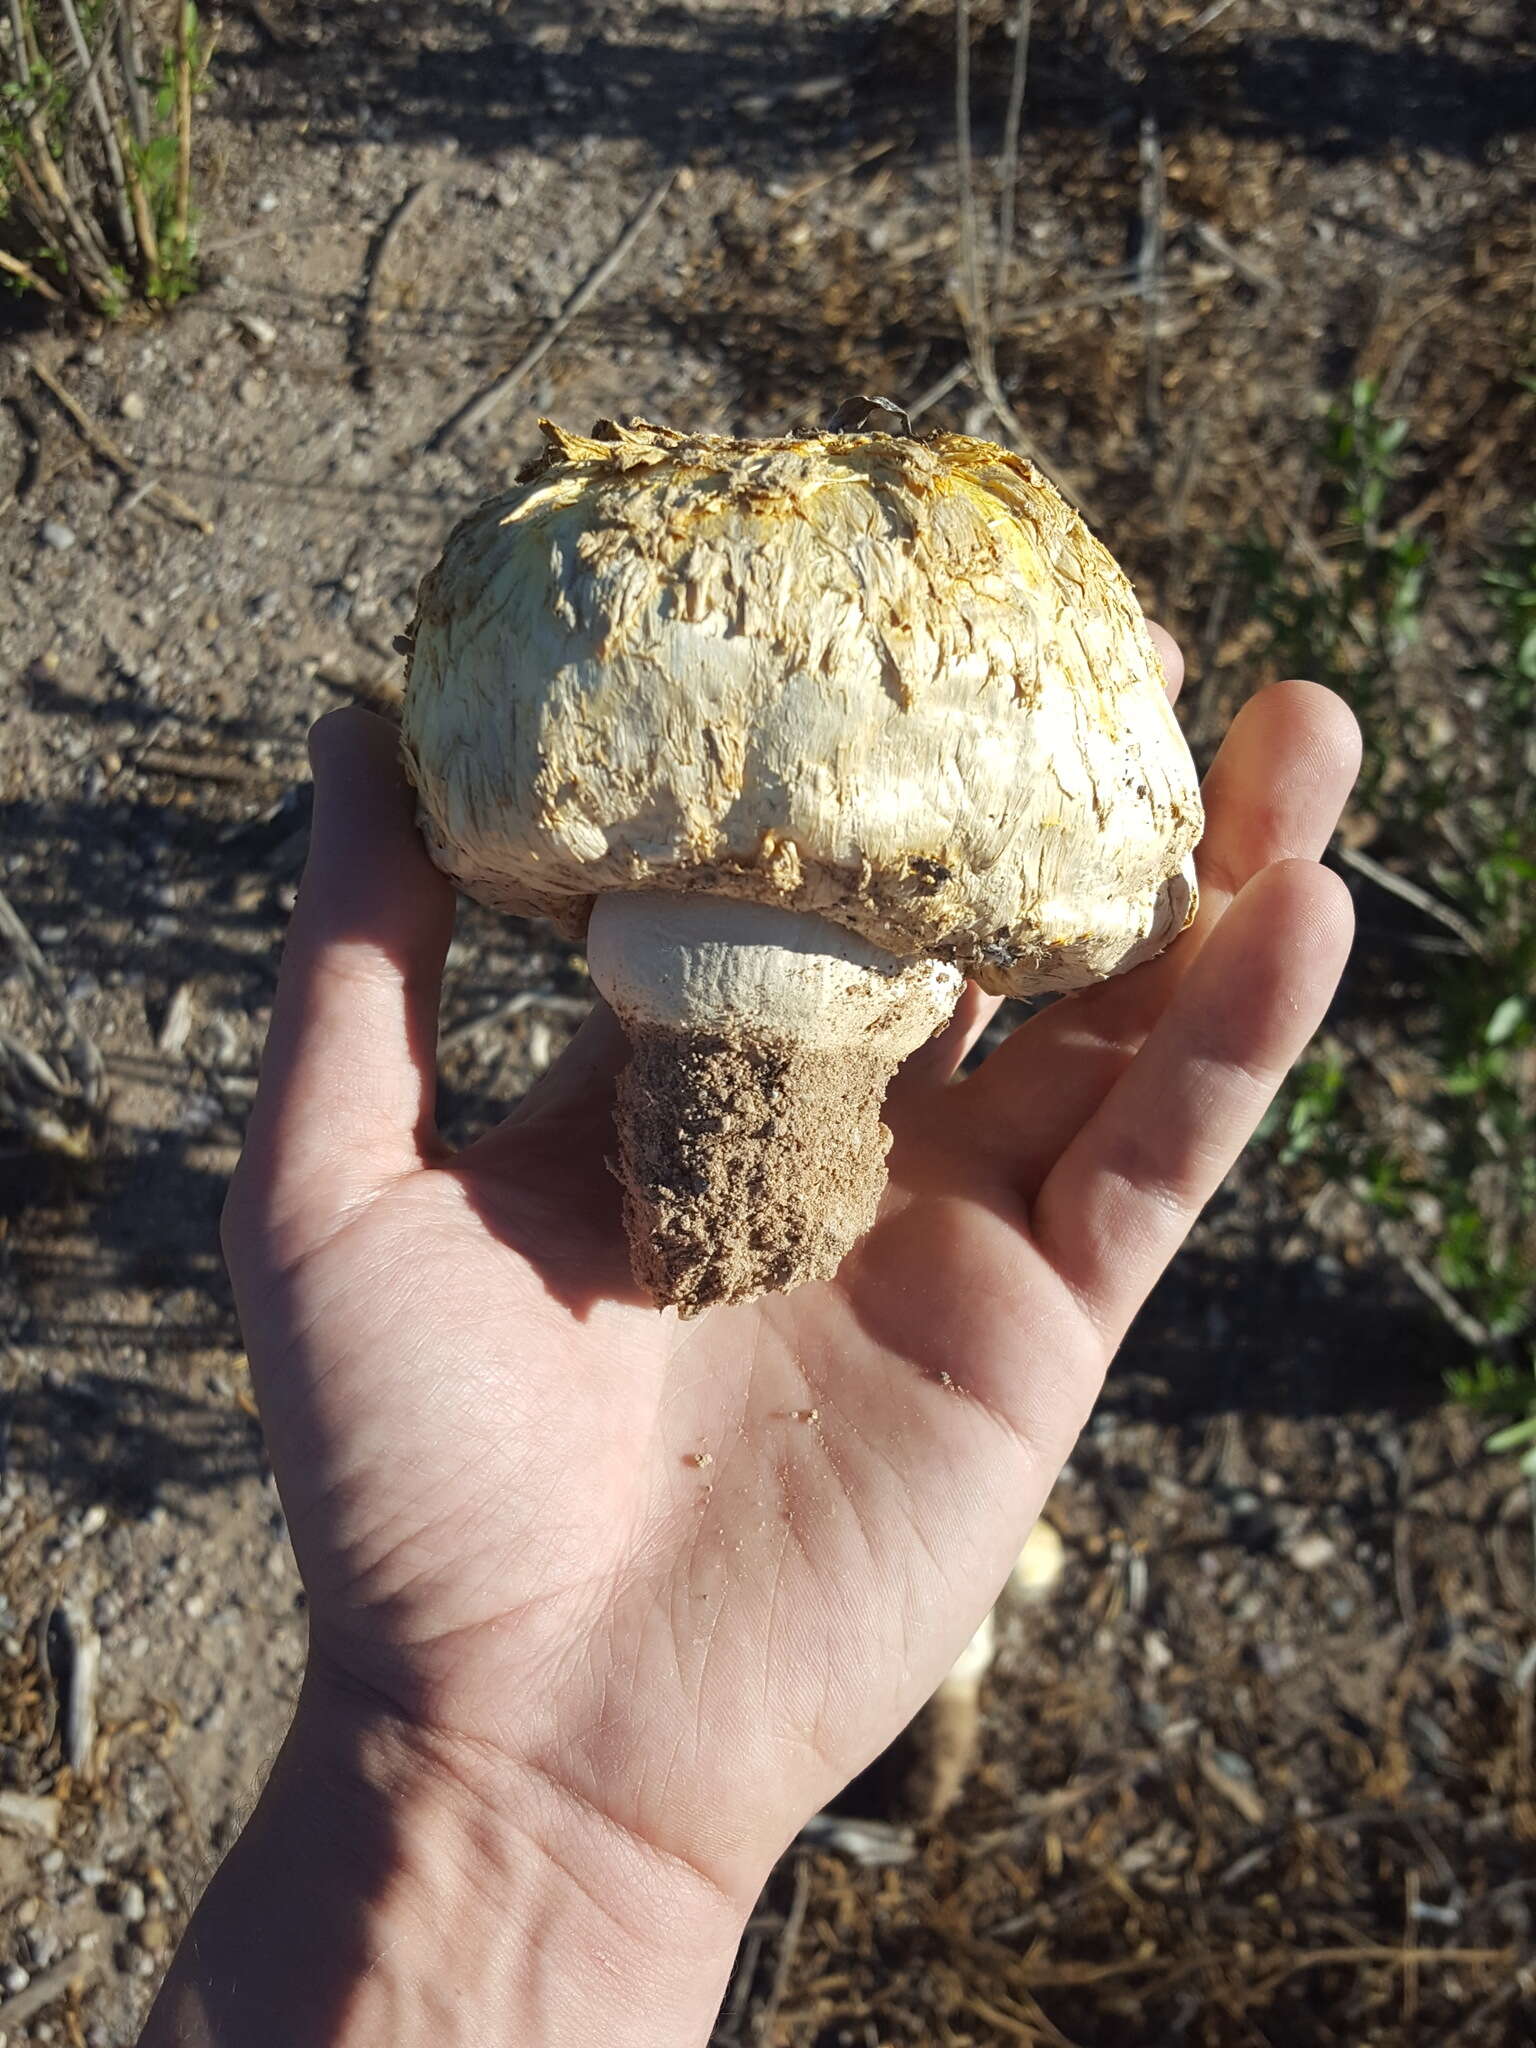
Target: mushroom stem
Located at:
point(946, 1735)
point(761, 1040)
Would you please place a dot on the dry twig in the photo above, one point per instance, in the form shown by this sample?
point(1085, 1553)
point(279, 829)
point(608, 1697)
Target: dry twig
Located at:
point(378, 269)
point(132, 65)
point(82, 1675)
point(1202, 20)
point(157, 494)
point(182, 219)
point(741, 1990)
point(1149, 269)
point(789, 1941)
point(974, 305)
point(491, 400)
point(24, 1813)
point(1215, 244)
point(973, 310)
point(1008, 162)
point(30, 278)
point(1277, 1967)
point(53, 1109)
point(44, 1989)
point(1466, 1325)
point(514, 1006)
point(1421, 899)
point(96, 101)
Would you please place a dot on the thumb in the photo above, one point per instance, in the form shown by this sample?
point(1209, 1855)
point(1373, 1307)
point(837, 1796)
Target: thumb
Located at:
point(348, 1078)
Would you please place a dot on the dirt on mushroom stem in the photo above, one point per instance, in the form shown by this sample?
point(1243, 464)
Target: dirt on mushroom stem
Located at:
point(748, 1168)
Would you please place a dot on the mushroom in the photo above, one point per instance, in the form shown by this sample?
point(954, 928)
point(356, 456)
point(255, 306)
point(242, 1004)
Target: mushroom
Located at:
point(797, 735)
point(939, 1748)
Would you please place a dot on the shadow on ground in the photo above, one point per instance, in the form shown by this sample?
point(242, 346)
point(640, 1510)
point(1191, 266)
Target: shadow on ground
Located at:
point(744, 83)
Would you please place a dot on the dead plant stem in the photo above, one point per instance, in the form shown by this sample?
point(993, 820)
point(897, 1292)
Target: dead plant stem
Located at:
point(181, 221)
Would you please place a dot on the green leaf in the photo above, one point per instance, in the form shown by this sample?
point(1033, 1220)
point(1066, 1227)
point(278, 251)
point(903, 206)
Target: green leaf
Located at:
point(1506, 1020)
point(157, 159)
point(1513, 1438)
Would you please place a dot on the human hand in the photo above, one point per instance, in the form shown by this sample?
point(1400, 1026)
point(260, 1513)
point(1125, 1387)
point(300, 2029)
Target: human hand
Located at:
point(640, 1594)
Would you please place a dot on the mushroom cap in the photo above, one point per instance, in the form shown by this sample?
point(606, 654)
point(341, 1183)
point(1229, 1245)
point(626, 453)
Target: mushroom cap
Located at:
point(891, 680)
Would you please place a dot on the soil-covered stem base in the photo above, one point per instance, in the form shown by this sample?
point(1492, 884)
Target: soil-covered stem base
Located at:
point(748, 1168)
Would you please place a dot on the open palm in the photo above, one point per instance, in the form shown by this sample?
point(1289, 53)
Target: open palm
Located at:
point(694, 1574)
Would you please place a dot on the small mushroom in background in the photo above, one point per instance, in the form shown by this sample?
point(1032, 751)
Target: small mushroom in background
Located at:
point(942, 1744)
point(797, 735)
point(1038, 1565)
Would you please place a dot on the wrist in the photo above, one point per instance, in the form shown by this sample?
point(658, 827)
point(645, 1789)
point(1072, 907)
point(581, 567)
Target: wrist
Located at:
point(392, 1886)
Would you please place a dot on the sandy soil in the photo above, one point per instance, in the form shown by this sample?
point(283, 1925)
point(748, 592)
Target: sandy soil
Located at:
point(1262, 1771)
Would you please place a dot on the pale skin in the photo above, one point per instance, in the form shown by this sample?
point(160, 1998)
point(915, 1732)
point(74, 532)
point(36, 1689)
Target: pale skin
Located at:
point(604, 1605)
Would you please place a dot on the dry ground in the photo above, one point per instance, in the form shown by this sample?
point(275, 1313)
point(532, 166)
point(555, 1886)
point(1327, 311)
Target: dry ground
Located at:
point(1263, 1771)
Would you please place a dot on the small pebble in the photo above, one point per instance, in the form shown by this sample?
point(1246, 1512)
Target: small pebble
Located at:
point(252, 390)
point(153, 1934)
point(132, 406)
point(130, 1901)
point(15, 1978)
point(53, 533)
point(256, 329)
point(51, 1862)
point(91, 1873)
point(267, 203)
point(94, 1520)
point(1311, 1552)
point(1155, 1653)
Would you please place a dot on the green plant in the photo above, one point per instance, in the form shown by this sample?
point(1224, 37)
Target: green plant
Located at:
point(1501, 1392)
point(1447, 1166)
point(1345, 607)
point(96, 151)
point(1304, 1122)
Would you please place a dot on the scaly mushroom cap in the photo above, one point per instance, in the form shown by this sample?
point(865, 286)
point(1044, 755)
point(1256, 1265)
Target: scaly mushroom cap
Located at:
point(891, 680)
